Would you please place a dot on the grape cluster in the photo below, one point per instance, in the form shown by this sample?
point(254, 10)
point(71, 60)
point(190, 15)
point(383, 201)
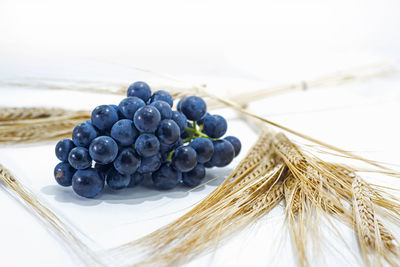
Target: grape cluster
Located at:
point(143, 138)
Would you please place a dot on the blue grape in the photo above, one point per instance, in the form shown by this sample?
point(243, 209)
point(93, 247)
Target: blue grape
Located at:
point(164, 109)
point(167, 177)
point(124, 132)
point(63, 173)
point(117, 181)
point(223, 153)
point(104, 117)
point(79, 158)
point(168, 132)
point(194, 177)
point(180, 120)
point(87, 183)
point(102, 169)
point(208, 164)
point(147, 145)
point(103, 149)
point(137, 178)
point(235, 143)
point(150, 164)
point(194, 108)
point(163, 96)
point(127, 161)
point(120, 115)
point(215, 126)
point(83, 134)
point(201, 121)
point(204, 149)
point(184, 158)
point(179, 106)
point(63, 148)
point(147, 119)
point(139, 89)
point(128, 106)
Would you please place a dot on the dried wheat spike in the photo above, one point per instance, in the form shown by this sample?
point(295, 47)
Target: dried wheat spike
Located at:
point(371, 231)
point(287, 150)
point(292, 196)
point(27, 113)
point(270, 199)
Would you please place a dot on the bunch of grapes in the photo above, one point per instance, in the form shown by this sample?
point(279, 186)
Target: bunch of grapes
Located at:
point(143, 138)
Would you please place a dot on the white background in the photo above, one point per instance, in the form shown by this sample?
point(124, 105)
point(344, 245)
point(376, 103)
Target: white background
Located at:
point(232, 46)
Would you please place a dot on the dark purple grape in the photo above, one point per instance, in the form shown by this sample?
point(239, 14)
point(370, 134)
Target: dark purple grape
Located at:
point(63, 148)
point(168, 132)
point(184, 158)
point(87, 183)
point(223, 153)
point(180, 120)
point(63, 173)
point(147, 119)
point(167, 177)
point(117, 181)
point(150, 164)
point(215, 126)
point(139, 89)
point(103, 149)
point(163, 96)
point(83, 134)
point(235, 143)
point(194, 108)
point(128, 106)
point(124, 132)
point(79, 158)
point(194, 177)
point(104, 117)
point(127, 161)
point(204, 149)
point(164, 109)
point(147, 145)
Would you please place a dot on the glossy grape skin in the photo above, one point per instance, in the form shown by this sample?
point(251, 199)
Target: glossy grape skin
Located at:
point(168, 132)
point(120, 115)
point(103, 149)
point(128, 106)
point(194, 177)
point(63, 148)
point(63, 173)
point(138, 178)
point(147, 119)
point(139, 89)
point(237, 145)
point(117, 181)
point(204, 149)
point(163, 96)
point(124, 132)
point(79, 158)
point(127, 161)
point(194, 108)
point(223, 153)
point(102, 169)
point(87, 183)
point(184, 158)
point(104, 117)
point(180, 120)
point(164, 109)
point(83, 134)
point(150, 164)
point(147, 145)
point(215, 126)
point(167, 177)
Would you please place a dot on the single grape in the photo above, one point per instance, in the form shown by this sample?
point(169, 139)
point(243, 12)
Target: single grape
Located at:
point(103, 149)
point(167, 177)
point(127, 161)
point(139, 89)
point(180, 120)
point(79, 158)
point(83, 134)
point(128, 106)
point(235, 143)
point(137, 178)
point(87, 183)
point(194, 177)
point(63, 148)
point(124, 132)
point(147, 119)
point(150, 164)
point(223, 153)
point(102, 169)
point(147, 145)
point(179, 106)
point(162, 95)
point(194, 108)
point(184, 158)
point(63, 173)
point(204, 149)
point(168, 132)
point(215, 126)
point(104, 117)
point(117, 181)
point(164, 109)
